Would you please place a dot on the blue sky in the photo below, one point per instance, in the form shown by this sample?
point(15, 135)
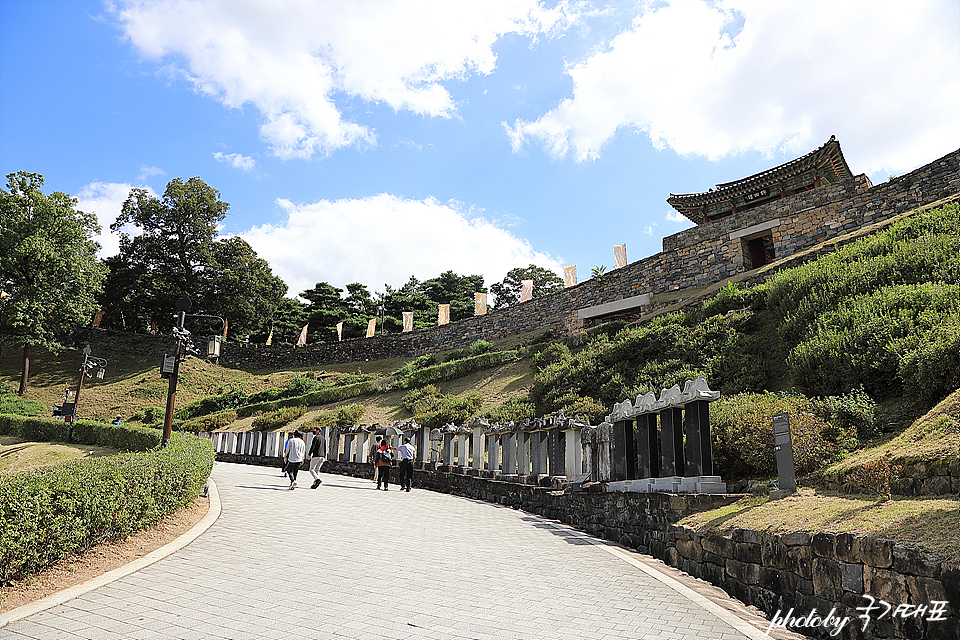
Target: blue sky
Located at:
point(374, 140)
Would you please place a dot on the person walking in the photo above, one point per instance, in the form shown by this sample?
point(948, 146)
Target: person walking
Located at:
point(407, 453)
point(372, 458)
point(317, 456)
point(294, 457)
point(384, 462)
point(283, 461)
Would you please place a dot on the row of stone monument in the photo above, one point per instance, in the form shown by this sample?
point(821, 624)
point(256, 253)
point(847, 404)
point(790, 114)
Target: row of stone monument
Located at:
point(649, 444)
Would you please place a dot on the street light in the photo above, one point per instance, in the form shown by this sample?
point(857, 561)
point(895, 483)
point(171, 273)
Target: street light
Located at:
point(69, 410)
point(170, 367)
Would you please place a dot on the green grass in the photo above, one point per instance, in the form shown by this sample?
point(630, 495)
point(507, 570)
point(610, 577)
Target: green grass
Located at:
point(19, 456)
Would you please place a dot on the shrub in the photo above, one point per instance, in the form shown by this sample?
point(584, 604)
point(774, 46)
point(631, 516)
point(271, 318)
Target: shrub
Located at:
point(853, 414)
point(742, 428)
point(513, 409)
point(589, 409)
point(480, 347)
point(456, 369)
point(553, 353)
point(728, 298)
point(234, 398)
point(875, 477)
point(50, 513)
point(456, 354)
point(148, 415)
point(414, 365)
point(322, 396)
point(209, 423)
point(433, 409)
point(276, 419)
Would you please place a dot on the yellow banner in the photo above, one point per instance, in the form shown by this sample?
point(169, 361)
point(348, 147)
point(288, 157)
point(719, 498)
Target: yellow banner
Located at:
point(443, 314)
point(339, 332)
point(526, 290)
point(407, 321)
point(570, 275)
point(372, 327)
point(619, 255)
point(302, 340)
point(479, 304)
point(270, 337)
point(225, 322)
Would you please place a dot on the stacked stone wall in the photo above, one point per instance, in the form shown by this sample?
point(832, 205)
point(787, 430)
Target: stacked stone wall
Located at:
point(703, 255)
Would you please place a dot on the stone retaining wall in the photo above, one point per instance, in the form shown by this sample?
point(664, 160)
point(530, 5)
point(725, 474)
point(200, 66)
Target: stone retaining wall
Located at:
point(819, 573)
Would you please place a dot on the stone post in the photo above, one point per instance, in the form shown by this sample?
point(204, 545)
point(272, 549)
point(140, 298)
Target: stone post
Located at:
point(363, 443)
point(573, 457)
point(448, 448)
point(509, 446)
point(479, 446)
point(557, 450)
point(333, 445)
point(648, 451)
point(696, 427)
point(604, 435)
point(421, 441)
point(463, 443)
point(538, 452)
point(348, 441)
point(493, 454)
point(523, 453)
point(623, 451)
point(671, 442)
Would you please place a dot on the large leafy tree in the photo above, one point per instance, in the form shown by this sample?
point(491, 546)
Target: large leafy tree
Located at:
point(423, 298)
point(176, 252)
point(508, 291)
point(49, 272)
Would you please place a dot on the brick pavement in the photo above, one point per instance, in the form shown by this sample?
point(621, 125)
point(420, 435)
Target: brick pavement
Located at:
point(345, 561)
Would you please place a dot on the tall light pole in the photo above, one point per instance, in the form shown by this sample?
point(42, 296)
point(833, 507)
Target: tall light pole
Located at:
point(86, 371)
point(183, 344)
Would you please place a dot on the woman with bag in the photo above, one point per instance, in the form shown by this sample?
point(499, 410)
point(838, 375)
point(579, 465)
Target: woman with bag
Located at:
point(384, 461)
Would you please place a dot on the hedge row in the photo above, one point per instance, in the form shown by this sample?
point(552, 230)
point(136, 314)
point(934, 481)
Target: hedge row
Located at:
point(456, 369)
point(50, 513)
point(323, 396)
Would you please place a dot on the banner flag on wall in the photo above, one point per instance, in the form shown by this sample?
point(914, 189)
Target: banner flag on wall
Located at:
point(526, 290)
point(570, 275)
point(443, 314)
point(339, 332)
point(225, 323)
point(270, 337)
point(479, 304)
point(620, 255)
point(407, 321)
point(97, 317)
point(372, 327)
point(302, 341)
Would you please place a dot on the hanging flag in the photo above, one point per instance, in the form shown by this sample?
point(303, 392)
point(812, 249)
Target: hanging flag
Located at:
point(479, 304)
point(302, 340)
point(153, 328)
point(526, 290)
point(97, 317)
point(339, 332)
point(270, 337)
point(443, 314)
point(570, 275)
point(619, 255)
point(372, 327)
point(407, 321)
point(225, 322)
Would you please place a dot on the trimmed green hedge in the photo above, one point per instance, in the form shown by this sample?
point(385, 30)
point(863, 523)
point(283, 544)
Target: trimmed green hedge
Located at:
point(326, 395)
point(456, 369)
point(50, 513)
point(209, 423)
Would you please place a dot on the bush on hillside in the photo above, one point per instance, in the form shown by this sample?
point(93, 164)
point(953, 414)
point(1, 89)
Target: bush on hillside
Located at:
point(212, 422)
point(512, 409)
point(880, 312)
point(481, 347)
point(234, 398)
point(320, 397)
point(730, 297)
point(433, 409)
point(427, 360)
point(50, 513)
point(276, 419)
point(456, 369)
point(742, 427)
point(346, 416)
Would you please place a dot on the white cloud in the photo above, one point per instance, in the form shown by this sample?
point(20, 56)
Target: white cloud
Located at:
point(237, 161)
point(386, 239)
point(676, 216)
point(147, 172)
point(292, 59)
point(884, 79)
point(649, 228)
point(106, 199)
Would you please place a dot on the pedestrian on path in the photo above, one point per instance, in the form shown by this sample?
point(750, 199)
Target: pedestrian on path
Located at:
point(372, 458)
point(317, 455)
point(294, 456)
point(407, 453)
point(384, 462)
point(283, 462)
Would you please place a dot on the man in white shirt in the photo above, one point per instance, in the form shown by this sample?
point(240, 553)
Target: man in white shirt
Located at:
point(293, 456)
point(407, 453)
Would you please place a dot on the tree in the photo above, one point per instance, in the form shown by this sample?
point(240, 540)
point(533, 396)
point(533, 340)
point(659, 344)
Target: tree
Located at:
point(286, 322)
point(508, 291)
point(168, 258)
point(49, 272)
point(177, 253)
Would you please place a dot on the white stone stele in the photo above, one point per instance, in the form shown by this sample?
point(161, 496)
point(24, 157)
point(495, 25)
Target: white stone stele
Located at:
point(670, 484)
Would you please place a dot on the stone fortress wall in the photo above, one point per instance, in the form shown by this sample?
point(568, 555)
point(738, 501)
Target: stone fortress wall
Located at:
point(690, 260)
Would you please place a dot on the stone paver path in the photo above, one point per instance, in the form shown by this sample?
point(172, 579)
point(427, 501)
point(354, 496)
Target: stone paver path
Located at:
point(346, 561)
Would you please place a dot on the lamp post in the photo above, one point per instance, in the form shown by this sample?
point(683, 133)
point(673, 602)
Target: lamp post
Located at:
point(183, 343)
point(86, 371)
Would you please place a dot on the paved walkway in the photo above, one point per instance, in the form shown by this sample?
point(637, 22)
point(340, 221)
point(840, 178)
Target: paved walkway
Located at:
point(345, 561)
